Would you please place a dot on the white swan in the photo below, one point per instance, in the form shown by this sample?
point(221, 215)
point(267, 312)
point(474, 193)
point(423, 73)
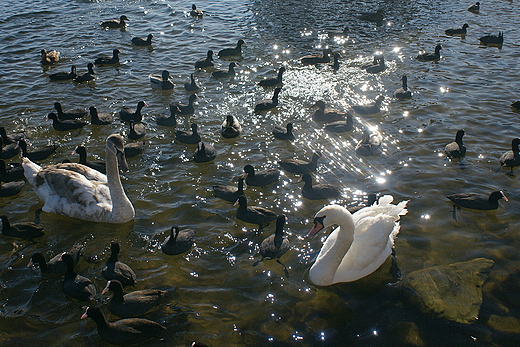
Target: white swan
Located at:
point(78, 191)
point(359, 245)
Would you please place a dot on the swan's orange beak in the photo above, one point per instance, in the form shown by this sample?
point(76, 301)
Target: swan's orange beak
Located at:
point(315, 229)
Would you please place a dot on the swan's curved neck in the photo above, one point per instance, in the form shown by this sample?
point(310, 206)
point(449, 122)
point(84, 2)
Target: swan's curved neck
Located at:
point(327, 264)
point(121, 205)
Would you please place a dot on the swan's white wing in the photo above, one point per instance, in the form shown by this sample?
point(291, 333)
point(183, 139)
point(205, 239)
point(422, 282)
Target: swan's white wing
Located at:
point(371, 246)
point(89, 173)
point(376, 229)
point(70, 193)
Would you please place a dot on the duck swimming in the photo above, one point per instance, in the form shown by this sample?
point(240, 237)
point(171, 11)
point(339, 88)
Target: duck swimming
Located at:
point(254, 214)
point(478, 201)
point(327, 115)
point(228, 52)
point(100, 119)
point(98, 165)
point(372, 108)
point(318, 191)
point(50, 57)
point(188, 137)
point(379, 67)
point(169, 120)
point(272, 81)
point(136, 130)
point(461, 31)
point(9, 173)
point(139, 41)
point(69, 114)
point(268, 104)
point(231, 127)
point(179, 241)
point(117, 270)
point(404, 92)
point(127, 114)
point(126, 331)
point(114, 59)
point(114, 23)
point(162, 82)
point(260, 178)
point(230, 72)
point(64, 76)
point(131, 304)
point(229, 193)
point(192, 85)
point(359, 245)
point(205, 152)
point(187, 108)
point(456, 149)
point(56, 264)
point(87, 76)
point(299, 166)
point(36, 154)
point(511, 158)
point(475, 8)
point(492, 39)
point(195, 12)
point(284, 133)
point(77, 191)
point(22, 230)
point(67, 124)
point(314, 59)
point(369, 144)
point(431, 56)
point(341, 126)
point(74, 285)
point(275, 245)
point(205, 62)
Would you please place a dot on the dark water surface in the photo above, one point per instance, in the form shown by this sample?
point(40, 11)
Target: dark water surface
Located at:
point(215, 295)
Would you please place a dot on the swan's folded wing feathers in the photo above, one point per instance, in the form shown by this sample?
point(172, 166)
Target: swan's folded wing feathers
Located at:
point(64, 190)
point(89, 173)
point(374, 241)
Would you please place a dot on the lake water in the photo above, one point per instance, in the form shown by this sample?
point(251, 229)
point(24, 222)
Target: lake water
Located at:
point(215, 294)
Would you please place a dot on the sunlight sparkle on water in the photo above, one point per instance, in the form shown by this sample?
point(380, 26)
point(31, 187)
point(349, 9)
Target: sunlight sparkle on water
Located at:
point(381, 180)
point(297, 336)
point(425, 216)
point(275, 47)
point(396, 49)
point(270, 298)
point(444, 90)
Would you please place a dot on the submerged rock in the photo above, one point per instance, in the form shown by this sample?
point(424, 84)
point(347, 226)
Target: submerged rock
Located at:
point(453, 292)
point(504, 324)
point(407, 334)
